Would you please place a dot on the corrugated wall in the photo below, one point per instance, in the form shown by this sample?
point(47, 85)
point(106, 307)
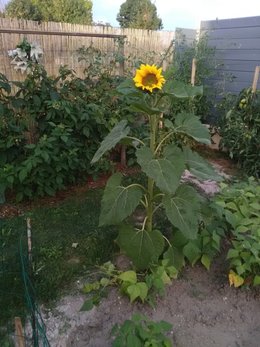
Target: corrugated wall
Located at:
point(237, 43)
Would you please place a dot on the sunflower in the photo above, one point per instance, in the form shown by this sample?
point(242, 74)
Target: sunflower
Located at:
point(149, 77)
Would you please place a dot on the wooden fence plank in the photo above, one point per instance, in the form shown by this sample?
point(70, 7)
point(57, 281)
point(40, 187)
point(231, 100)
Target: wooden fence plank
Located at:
point(60, 42)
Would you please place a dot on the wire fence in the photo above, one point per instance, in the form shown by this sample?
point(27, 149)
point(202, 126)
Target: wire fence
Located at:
point(21, 322)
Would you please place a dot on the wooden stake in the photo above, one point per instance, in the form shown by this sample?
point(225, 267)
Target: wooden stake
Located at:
point(123, 155)
point(256, 76)
point(193, 71)
point(29, 239)
point(121, 50)
point(19, 337)
point(161, 121)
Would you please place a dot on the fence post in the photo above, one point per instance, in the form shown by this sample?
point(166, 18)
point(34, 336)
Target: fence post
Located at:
point(255, 80)
point(19, 341)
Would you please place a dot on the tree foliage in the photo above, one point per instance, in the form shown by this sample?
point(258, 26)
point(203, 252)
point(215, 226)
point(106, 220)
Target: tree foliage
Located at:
point(23, 9)
point(76, 11)
point(139, 14)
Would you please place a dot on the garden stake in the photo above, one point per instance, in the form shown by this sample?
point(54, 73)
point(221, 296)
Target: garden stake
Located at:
point(256, 76)
point(19, 332)
point(193, 71)
point(29, 242)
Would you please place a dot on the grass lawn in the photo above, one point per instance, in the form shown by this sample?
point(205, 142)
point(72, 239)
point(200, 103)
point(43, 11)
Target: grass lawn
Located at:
point(55, 230)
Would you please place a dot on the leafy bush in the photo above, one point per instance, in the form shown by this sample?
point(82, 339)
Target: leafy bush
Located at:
point(240, 208)
point(240, 131)
point(203, 248)
point(51, 128)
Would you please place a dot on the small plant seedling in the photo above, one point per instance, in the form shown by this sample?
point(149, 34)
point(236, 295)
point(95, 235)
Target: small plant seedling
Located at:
point(139, 331)
point(143, 286)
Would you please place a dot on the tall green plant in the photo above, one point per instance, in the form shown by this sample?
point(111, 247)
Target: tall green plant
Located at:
point(163, 157)
point(240, 131)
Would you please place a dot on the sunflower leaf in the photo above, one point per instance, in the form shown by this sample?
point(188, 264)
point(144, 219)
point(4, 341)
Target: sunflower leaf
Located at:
point(128, 88)
point(118, 202)
point(182, 210)
point(199, 167)
point(166, 172)
point(141, 246)
point(182, 90)
point(144, 108)
point(120, 131)
point(190, 124)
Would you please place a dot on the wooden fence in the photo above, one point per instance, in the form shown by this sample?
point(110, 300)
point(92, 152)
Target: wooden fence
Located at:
point(61, 41)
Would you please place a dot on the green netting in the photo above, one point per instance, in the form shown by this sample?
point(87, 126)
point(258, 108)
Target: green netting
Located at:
point(17, 294)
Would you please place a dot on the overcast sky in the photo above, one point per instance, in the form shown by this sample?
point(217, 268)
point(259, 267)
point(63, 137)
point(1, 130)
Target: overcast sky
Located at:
point(183, 13)
point(180, 13)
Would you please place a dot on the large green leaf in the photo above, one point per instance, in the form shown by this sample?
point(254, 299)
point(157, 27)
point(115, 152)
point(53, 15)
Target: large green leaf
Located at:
point(175, 257)
point(128, 88)
point(120, 131)
point(191, 125)
point(144, 108)
point(136, 290)
point(192, 252)
point(141, 246)
point(199, 167)
point(128, 276)
point(182, 210)
point(118, 202)
point(166, 172)
point(182, 90)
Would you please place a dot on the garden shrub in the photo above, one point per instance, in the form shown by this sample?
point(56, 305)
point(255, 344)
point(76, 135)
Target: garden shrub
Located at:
point(240, 131)
point(51, 128)
point(240, 209)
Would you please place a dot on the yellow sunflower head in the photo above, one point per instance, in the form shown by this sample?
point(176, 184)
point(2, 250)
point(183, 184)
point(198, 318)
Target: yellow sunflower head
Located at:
point(149, 77)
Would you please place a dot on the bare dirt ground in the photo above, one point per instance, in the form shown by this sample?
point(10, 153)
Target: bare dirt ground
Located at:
point(203, 309)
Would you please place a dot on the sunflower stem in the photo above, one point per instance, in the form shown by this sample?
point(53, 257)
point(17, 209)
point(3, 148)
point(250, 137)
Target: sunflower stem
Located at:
point(153, 132)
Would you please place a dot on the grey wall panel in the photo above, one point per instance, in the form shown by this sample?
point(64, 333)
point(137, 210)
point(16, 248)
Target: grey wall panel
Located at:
point(242, 55)
point(237, 44)
point(242, 76)
point(223, 87)
point(234, 33)
point(237, 65)
point(231, 23)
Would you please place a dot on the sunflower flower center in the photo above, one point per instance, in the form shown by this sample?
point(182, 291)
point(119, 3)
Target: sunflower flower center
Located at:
point(149, 80)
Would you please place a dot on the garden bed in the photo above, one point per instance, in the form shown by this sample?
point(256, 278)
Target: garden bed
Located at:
point(202, 308)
